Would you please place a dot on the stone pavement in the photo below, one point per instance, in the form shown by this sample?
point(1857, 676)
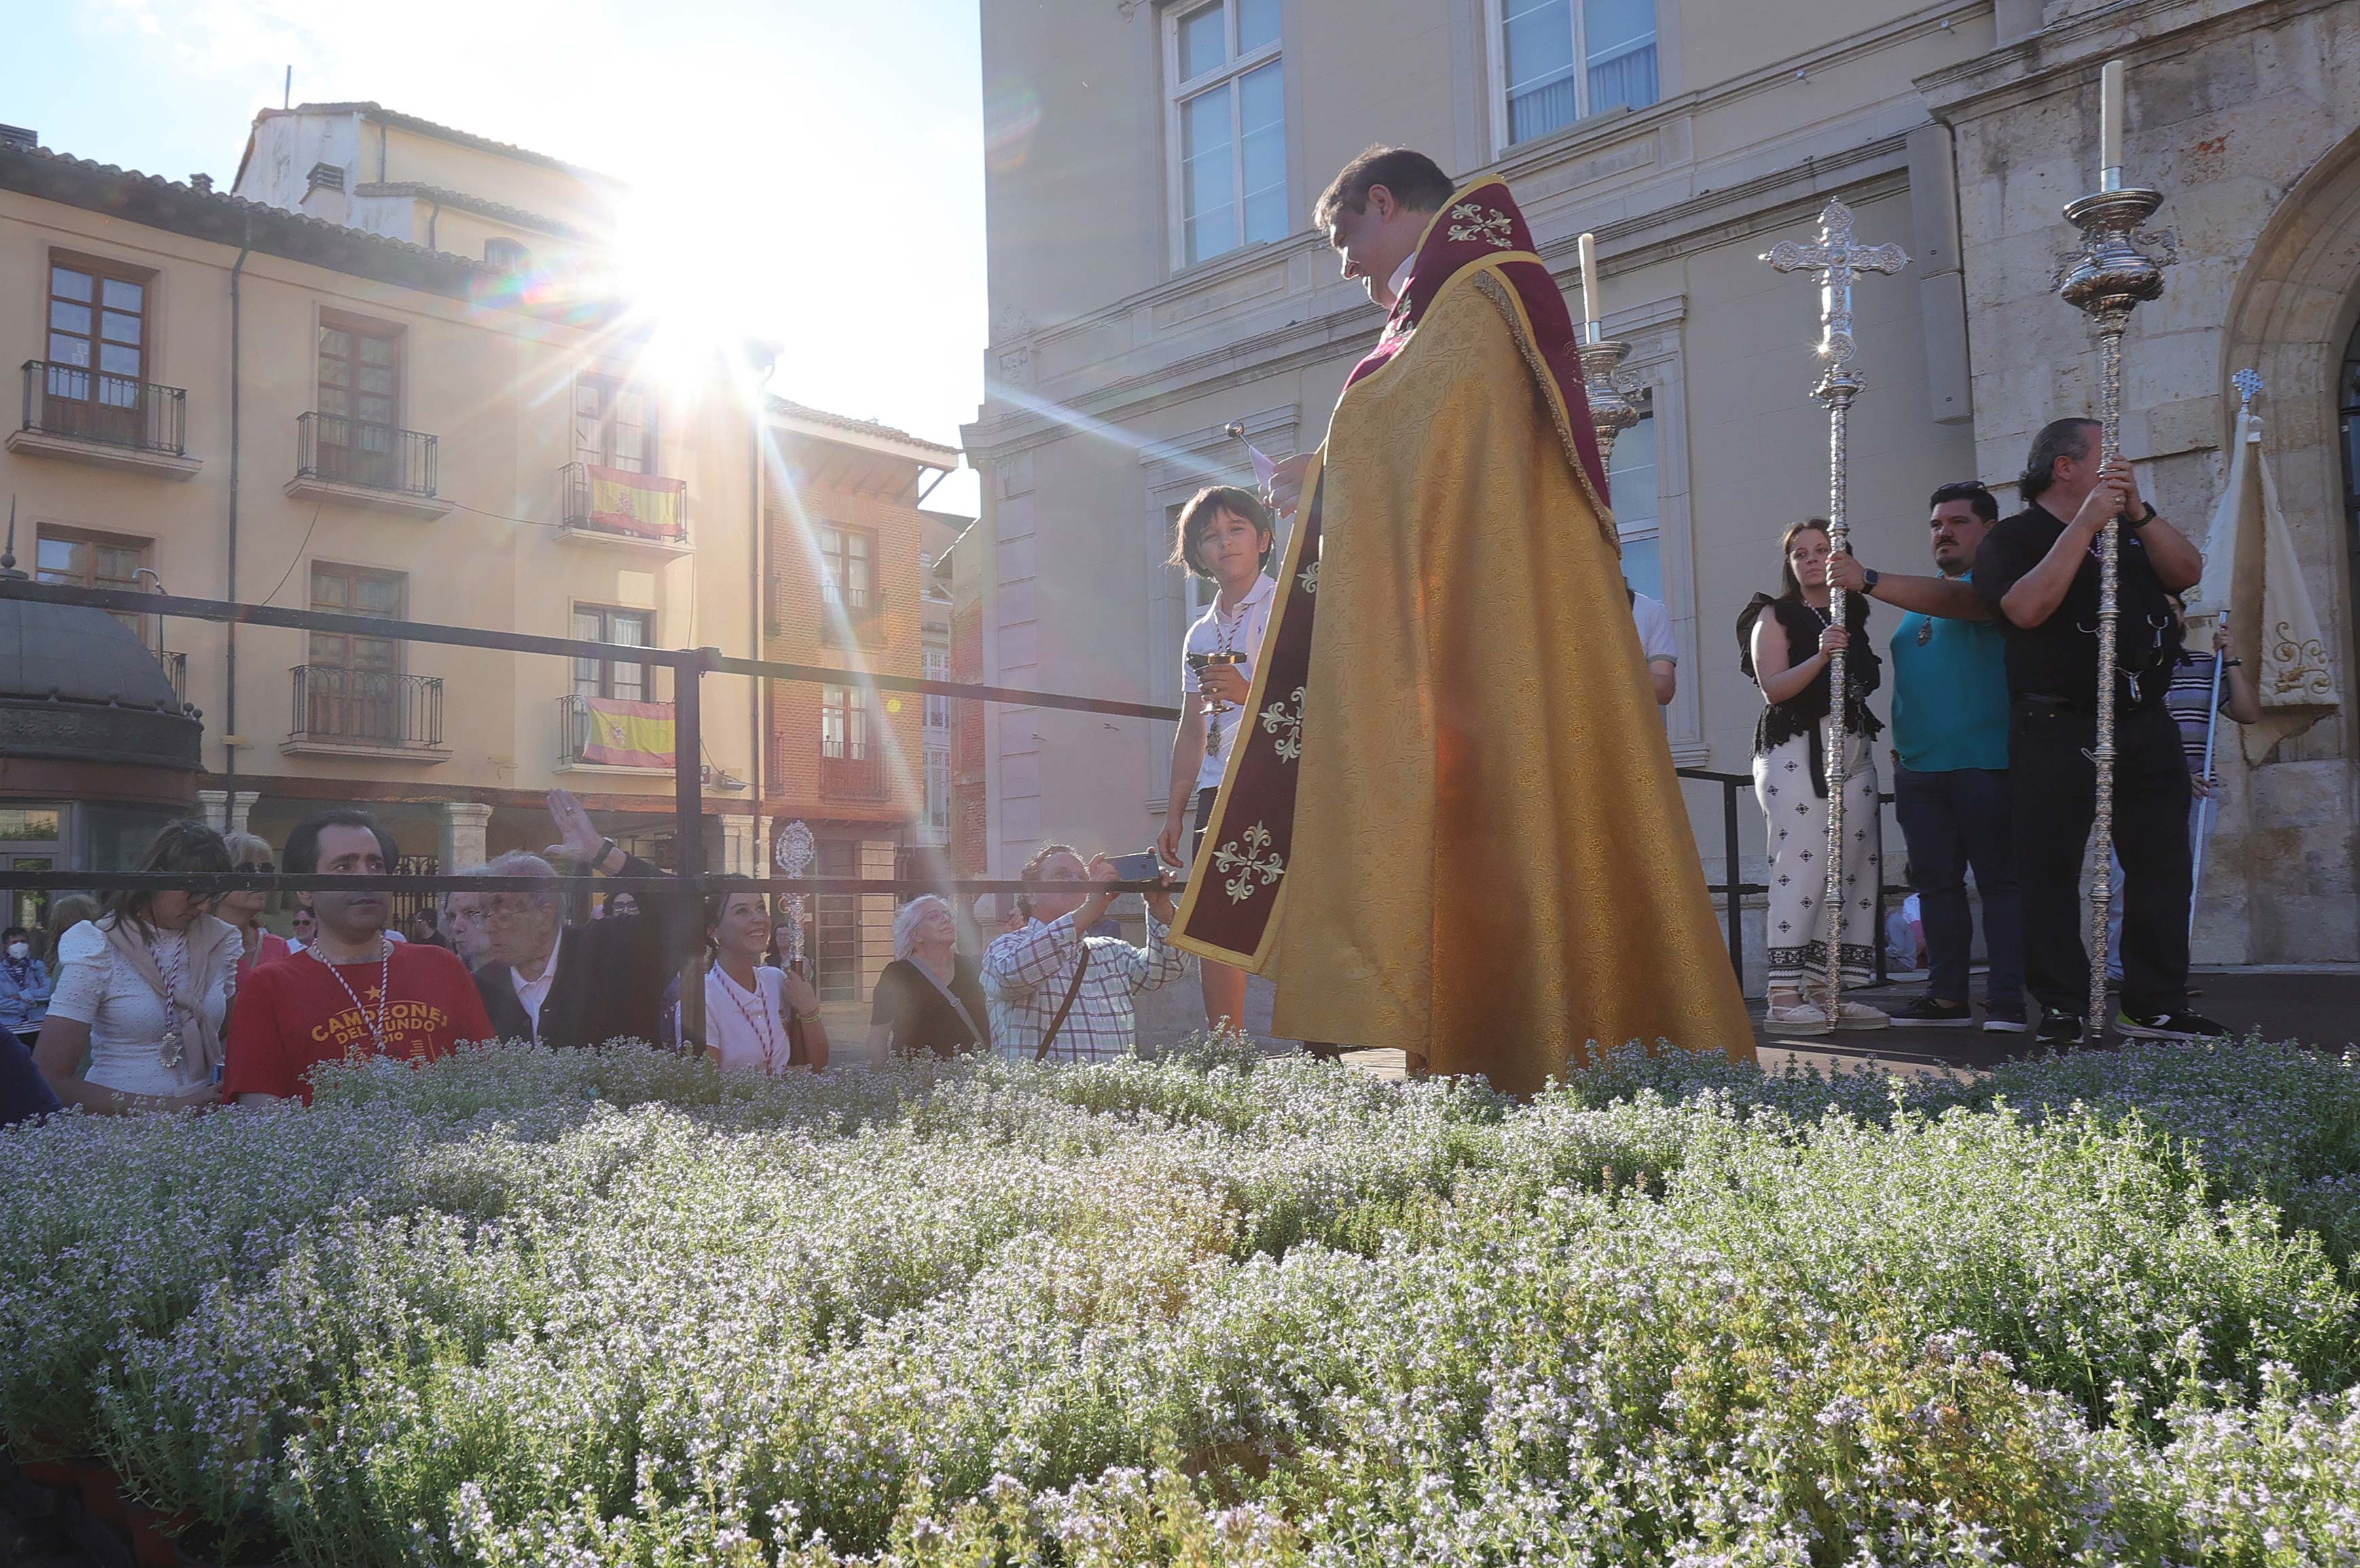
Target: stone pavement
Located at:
point(2319, 1005)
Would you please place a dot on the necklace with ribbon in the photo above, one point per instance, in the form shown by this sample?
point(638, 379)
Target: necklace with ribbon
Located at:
point(376, 1026)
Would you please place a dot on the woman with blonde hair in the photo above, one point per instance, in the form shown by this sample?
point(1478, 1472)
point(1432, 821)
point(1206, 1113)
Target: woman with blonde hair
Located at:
point(142, 990)
point(243, 910)
point(930, 999)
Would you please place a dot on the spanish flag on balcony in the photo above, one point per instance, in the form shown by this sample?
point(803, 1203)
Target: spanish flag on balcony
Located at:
point(636, 503)
point(629, 734)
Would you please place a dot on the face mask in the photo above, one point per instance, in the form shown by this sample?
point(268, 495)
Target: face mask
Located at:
point(19, 950)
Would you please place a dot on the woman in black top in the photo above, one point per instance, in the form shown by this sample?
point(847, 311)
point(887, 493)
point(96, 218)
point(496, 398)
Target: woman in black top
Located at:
point(1784, 645)
point(930, 999)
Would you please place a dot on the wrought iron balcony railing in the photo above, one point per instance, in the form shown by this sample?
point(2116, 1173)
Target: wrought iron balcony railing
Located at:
point(337, 451)
point(176, 669)
point(852, 777)
point(627, 505)
point(81, 404)
point(383, 708)
point(577, 739)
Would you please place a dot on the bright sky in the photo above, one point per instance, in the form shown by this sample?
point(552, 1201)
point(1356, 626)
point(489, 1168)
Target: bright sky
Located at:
point(831, 155)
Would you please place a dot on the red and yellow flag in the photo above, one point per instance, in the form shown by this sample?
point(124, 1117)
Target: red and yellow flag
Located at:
point(629, 734)
point(636, 503)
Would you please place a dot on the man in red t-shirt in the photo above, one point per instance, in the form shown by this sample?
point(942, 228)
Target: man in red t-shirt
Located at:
point(354, 991)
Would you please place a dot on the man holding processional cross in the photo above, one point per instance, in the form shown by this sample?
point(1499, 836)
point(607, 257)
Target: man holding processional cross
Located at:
point(1451, 825)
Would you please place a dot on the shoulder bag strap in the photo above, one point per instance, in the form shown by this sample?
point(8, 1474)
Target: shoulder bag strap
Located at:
point(1067, 1005)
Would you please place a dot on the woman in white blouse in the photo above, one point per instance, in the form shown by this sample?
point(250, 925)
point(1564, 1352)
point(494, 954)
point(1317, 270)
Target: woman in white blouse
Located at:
point(142, 990)
point(754, 1016)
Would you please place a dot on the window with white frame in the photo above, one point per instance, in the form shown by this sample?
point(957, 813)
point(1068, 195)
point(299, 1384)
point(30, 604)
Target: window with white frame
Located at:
point(1227, 126)
point(1561, 60)
point(1630, 486)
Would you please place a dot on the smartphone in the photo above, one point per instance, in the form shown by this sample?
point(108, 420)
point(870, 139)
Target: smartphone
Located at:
point(1144, 866)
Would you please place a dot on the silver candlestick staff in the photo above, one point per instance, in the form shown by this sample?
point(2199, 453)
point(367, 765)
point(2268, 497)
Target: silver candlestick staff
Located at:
point(1613, 390)
point(2107, 280)
point(1838, 259)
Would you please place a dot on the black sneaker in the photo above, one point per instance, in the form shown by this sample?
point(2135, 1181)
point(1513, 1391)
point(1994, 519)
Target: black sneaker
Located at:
point(2171, 1026)
point(1928, 1013)
point(2063, 1031)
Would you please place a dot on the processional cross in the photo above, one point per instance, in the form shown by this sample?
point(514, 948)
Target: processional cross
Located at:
point(1838, 259)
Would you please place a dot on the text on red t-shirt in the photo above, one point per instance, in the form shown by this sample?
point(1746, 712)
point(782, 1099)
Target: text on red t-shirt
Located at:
point(292, 1015)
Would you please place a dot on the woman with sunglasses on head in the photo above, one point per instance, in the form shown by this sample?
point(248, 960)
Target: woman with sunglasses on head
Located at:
point(142, 990)
point(243, 910)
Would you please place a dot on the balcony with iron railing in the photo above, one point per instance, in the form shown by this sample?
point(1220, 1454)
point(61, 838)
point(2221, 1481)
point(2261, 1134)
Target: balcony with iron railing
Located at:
point(614, 508)
point(377, 712)
point(581, 747)
point(114, 422)
point(851, 615)
point(846, 775)
point(365, 464)
point(175, 670)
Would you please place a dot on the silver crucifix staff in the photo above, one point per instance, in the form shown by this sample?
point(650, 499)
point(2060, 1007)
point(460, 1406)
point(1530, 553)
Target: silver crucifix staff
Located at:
point(1838, 259)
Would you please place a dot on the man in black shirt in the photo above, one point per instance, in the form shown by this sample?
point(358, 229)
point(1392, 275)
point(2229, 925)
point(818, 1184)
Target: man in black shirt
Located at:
point(2038, 570)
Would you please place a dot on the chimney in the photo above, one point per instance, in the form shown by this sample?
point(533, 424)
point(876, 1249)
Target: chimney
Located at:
point(324, 195)
point(201, 182)
point(16, 138)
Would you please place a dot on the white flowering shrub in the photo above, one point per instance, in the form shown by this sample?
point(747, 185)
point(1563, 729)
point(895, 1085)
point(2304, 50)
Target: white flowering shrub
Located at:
point(529, 1308)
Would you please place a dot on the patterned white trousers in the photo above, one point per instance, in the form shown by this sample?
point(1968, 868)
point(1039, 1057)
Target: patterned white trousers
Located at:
point(1796, 817)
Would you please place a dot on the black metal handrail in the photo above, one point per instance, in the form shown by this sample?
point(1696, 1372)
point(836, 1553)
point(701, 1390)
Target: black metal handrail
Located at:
point(1734, 892)
point(574, 733)
point(176, 669)
point(81, 404)
point(337, 451)
point(657, 516)
point(342, 706)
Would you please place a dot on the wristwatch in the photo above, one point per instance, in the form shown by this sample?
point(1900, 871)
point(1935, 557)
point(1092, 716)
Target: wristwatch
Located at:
point(1868, 579)
point(606, 847)
point(2141, 522)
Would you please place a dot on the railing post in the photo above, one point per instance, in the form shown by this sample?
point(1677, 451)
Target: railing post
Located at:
point(688, 833)
point(1729, 874)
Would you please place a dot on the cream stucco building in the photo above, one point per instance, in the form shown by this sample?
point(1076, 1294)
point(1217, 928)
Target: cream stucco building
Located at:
point(1153, 277)
point(379, 379)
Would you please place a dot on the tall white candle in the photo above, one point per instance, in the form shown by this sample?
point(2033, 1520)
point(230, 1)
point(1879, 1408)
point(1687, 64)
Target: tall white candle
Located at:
point(1590, 311)
point(2109, 116)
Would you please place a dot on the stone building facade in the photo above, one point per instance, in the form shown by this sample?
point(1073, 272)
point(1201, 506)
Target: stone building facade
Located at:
point(1143, 298)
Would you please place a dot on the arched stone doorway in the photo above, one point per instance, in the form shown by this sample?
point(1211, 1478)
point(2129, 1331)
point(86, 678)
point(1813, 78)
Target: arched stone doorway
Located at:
point(2296, 310)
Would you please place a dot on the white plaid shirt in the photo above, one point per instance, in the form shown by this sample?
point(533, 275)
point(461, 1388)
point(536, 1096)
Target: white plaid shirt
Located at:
point(1026, 974)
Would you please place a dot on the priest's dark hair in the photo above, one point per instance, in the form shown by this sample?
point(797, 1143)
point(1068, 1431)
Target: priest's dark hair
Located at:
point(185, 845)
point(1203, 508)
point(1789, 585)
point(1415, 180)
point(303, 843)
point(1970, 491)
point(2058, 438)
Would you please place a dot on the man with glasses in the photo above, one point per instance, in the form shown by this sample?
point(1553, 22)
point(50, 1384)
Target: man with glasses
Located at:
point(1055, 992)
point(1950, 779)
point(578, 985)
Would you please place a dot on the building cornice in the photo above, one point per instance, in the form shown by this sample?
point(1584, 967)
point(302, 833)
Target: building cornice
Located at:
point(2058, 58)
point(481, 206)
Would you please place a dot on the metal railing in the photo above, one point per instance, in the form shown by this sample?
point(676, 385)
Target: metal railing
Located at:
point(1734, 892)
point(81, 404)
point(689, 666)
point(846, 777)
point(654, 514)
point(175, 670)
point(574, 731)
point(337, 451)
point(341, 706)
point(407, 901)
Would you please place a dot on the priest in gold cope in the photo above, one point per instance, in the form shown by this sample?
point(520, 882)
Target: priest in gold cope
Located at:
point(1451, 824)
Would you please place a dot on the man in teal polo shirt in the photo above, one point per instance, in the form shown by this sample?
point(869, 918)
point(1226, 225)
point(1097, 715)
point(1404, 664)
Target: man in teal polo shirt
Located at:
point(1950, 779)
